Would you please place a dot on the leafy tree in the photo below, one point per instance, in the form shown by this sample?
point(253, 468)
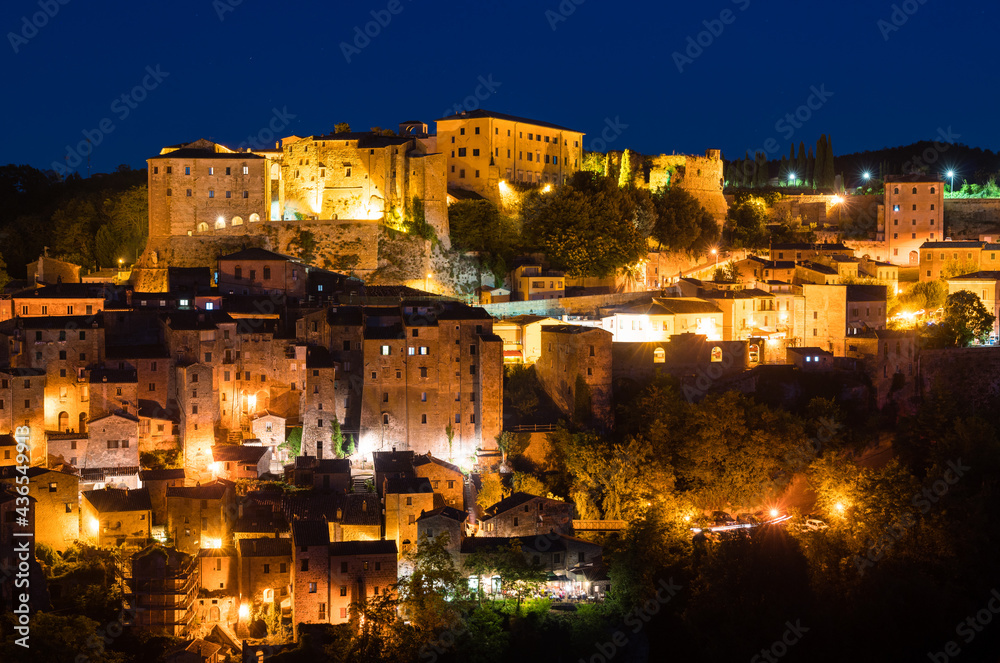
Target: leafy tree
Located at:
point(429, 595)
point(526, 483)
point(125, 230)
point(74, 227)
point(811, 169)
point(483, 638)
point(593, 162)
point(923, 295)
point(512, 444)
point(342, 128)
point(747, 223)
point(965, 320)
point(586, 228)
point(518, 577)
point(829, 172)
point(337, 440)
point(477, 225)
point(492, 490)
point(58, 639)
point(293, 442)
point(682, 224)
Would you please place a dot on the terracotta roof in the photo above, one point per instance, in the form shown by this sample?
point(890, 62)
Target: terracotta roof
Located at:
point(407, 485)
point(118, 499)
point(310, 533)
point(102, 474)
point(239, 453)
point(209, 491)
point(446, 512)
point(257, 254)
point(161, 475)
point(362, 510)
point(427, 458)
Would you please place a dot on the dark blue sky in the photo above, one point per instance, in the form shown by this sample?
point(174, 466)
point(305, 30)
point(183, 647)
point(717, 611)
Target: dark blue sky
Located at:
point(606, 61)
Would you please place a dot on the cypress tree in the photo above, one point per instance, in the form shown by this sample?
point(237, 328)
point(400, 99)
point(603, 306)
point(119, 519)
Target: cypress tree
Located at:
point(607, 164)
point(762, 171)
point(801, 166)
point(819, 168)
point(784, 171)
point(810, 173)
point(828, 170)
point(625, 172)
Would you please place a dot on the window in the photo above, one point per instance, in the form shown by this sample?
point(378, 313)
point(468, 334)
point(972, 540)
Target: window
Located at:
point(385, 349)
point(423, 371)
point(267, 568)
point(312, 585)
point(246, 170)
point(187, 170)
point(343, 590)
point(461, 151)
point(305, 566)
point(322, 612)
point(423, 418)
point(343, 567)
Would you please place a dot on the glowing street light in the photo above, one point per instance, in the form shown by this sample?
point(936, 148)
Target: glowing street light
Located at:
point(427, 278)
point(791, 178)
point(546, 188)
point(839, 507)
point(867, 176)
point(715, 252)
point(951, 174)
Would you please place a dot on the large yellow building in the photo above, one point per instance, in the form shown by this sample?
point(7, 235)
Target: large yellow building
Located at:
point(483, 148)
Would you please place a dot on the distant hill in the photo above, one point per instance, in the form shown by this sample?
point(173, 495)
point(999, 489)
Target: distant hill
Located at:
point(972, 164)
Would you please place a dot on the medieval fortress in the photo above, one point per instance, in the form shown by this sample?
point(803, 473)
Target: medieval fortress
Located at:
point(343, 201)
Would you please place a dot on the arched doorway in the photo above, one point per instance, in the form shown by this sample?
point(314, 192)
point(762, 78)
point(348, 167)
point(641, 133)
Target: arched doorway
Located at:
point(83, 423)
point(63, 422)
point(914, 258)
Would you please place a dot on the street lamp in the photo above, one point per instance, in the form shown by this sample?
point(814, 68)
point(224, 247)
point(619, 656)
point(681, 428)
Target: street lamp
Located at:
point(791, 178)
point(426, 279)
point(951, 174)
point(715, 252)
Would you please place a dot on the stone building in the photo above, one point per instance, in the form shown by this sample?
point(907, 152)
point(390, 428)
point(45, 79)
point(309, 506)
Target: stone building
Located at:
point(405, 499)
point(156, 483)
point(701, 176)
point(940, 258)
point(57, 503)
point(218, 570)
point(361, 176)
point(264, 569)
point(22, 405)
point(484, 150)
point(695, 361)
point(327, 475)
point(522, 337)
point(444, 520)
point(361, 519)
point(446, 479)
point(834, 313)
point(986, 286)
point(329, 576)
point(63, 299)
point(240, 461)
point(662, 317)
point(113, 390)
point(914, 214)
point(575, 371)
point(199, 186)
point(112, 441)
point(201, 516)
point(523, 514)
point(321, 398)
point(409, 372)
point(115, 516)
point(256, 271)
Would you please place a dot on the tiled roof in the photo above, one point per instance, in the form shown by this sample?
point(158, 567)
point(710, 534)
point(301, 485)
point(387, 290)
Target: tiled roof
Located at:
point(866, 293)
point(102, 474)
point(394, 461)
point(310, 533)
point(201, 153)
point(446, 512)
point(407, 485)
point(161, 475)
point(985, 275)
point(427, 458)
point(361, 510)
point(265, 547)
point(816, 267)
point(256, 254)
point(685, 305)
point(118, 499)
point(240, 453)
point(515, 500)
point(209, 491)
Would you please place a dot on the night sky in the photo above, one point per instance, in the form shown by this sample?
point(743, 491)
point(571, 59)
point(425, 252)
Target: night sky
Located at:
point(603, 63)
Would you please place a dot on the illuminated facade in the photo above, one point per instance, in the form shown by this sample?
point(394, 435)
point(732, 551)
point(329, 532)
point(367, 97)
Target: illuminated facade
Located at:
point(575, 371)
point(940, 258)
point(986, 286)
point(914, 214)
point(484, 148)
point(664, 317)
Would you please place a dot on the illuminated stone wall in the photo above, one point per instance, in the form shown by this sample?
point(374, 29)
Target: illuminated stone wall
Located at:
point(568, 365)
point(701, 176)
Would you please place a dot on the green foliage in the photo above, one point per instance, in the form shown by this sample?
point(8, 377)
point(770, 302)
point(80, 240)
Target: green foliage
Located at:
point(293, 442)
point(416, 224)
point(521, 390)
point(163, 459)
point(728, 273)
point(492, 490)
point(682, 224)
point(923, 295)
point(512, 445)
point(477, 225)
point(959, 268)
point(126, 228)
point(967, 190)
point(593, 162)
point(306, 243)
point(518, 576)
point(429, 596)
point(965, 321)
point(589, 227)
point(342, 128)
point(747, 224)
point(526, 483)
point(337, 440)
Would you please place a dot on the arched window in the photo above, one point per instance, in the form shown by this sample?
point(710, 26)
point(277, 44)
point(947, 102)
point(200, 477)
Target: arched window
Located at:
point(659, 356)
point(933, 189)
point(254, 218)
point(716, 354)
point(754, 353)
point(237, 221)
point(914, 189)
point(202, 227)
point(63, 421)
point(268, 594)
point(220, 223)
